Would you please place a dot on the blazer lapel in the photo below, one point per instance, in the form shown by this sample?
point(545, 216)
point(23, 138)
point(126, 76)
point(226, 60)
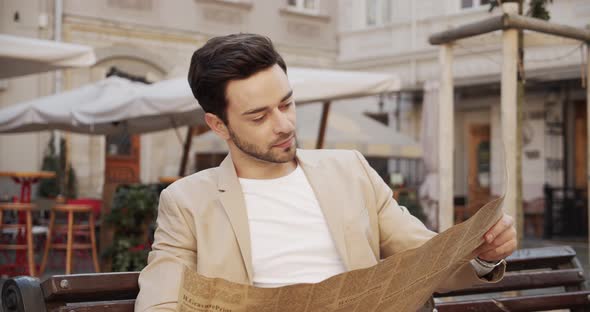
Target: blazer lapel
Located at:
point(328, 200)
point(232, 199)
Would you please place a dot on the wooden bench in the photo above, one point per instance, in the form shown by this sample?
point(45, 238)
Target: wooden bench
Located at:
point(537, 268)
point(72, 293)
point(528, 269)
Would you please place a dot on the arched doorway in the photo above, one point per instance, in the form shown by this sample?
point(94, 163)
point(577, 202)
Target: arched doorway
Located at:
point(123, 151)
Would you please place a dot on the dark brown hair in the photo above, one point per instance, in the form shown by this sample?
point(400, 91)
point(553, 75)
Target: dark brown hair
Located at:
point(226, 58)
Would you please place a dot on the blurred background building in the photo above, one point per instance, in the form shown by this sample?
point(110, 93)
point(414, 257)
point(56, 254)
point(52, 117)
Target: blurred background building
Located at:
point(150, 40)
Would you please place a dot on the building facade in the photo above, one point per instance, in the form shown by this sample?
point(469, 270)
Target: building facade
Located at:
point(152, 40)
point(392, 36)
point(147, 40)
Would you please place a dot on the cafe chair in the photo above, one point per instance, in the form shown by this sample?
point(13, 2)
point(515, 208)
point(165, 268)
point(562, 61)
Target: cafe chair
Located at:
point(18, 228)
point(72, 230)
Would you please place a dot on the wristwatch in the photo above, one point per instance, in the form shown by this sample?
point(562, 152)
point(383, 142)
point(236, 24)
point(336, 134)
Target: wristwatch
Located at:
point(483, 267)
point(488, 264)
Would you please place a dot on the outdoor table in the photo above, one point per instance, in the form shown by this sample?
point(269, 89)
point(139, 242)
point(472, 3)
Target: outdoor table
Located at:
point(26, 181)
point(169, 180)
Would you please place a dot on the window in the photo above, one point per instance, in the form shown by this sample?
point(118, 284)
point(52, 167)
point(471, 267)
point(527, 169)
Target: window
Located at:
point(131, 4)
point(467, 4)
point(378, 12)
point(311, 6)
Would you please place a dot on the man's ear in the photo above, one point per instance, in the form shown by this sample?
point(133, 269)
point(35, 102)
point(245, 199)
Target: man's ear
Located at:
point(217, 125)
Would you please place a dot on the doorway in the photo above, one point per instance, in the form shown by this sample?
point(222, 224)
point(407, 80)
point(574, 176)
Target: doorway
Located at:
point(479, 174)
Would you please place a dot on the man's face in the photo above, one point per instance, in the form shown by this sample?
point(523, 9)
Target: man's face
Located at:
point(261, 116)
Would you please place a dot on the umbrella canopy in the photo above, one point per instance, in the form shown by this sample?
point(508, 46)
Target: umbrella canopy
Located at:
point(108, 106)
point(311, 85)
point(345, 130)
point(318, 85)
point(115, 104)
point(22, 56)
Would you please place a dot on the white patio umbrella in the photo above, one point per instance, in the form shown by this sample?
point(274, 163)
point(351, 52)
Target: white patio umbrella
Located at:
point(345, 130)
point(22, 56)
point(108, 106)
point(349, 130)
point(319, 85)
point(116, 104)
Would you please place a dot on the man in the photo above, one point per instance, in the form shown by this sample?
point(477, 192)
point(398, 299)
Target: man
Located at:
point(273, 215)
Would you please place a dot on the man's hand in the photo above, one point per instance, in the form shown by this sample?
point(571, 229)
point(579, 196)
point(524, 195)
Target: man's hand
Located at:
point(500, 241)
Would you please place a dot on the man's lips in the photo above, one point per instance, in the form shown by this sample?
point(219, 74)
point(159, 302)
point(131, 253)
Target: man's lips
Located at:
point(285, 143)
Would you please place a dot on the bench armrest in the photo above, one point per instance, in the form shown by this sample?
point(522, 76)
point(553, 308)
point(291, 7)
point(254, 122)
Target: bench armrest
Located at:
point(22, 294)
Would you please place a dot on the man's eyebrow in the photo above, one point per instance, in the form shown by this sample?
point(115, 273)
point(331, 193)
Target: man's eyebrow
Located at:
point(255, 110)
point(288, 95)
point(261, 109)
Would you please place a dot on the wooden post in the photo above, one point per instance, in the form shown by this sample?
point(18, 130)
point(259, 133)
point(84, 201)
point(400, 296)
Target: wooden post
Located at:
point(70, 242)
point(509, 20)
point(588, 129)
point(323, 124)
point(520, 94)
point(186, 148)
point(508, 110)
point(446, 140)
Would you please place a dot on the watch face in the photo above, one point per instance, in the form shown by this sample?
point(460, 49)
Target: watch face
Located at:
point(488, 263)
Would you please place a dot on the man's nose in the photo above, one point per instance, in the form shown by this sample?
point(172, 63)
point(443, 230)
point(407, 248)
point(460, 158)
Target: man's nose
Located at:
point(283, 124)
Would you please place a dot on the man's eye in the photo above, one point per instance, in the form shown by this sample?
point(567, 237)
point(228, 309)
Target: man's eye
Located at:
point(258, 119)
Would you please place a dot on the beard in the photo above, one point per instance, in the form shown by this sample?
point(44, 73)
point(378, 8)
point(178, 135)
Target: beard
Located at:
point(269, 154)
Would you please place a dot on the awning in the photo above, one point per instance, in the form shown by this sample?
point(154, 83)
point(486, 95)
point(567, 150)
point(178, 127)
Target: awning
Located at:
point(22, 56)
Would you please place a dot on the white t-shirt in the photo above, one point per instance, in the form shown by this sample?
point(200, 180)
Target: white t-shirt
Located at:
point(291, 242)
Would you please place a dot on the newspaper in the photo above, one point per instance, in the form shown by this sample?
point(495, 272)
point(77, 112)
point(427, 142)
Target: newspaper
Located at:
point(402, 282)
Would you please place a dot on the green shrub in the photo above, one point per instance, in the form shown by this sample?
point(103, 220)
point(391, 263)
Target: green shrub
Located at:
point(133, 211)
point(50, 188)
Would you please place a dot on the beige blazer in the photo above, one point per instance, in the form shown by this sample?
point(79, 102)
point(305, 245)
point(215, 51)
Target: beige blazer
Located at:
point(202, 223)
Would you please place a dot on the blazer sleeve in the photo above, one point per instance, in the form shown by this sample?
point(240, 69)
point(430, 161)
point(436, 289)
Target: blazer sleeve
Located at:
point(174, 247)
point(399, 231)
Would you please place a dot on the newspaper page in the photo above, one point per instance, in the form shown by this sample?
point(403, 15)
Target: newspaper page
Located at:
point(402, 282)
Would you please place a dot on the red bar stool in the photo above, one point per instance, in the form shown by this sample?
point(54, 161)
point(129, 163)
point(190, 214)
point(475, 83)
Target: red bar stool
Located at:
point(72, 230)
point(20, 229)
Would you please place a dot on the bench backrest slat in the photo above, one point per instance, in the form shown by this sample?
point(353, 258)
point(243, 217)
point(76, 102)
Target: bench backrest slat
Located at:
point(91, 287)
point(516, 304)
point(538, 258)
point(528, 280)
point(111, 306)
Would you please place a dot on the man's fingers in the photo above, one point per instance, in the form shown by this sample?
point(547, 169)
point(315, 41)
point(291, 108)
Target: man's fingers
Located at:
point(483, 248)
point(500, 252)
point(505, 222)
point(504, 237)
point(500, 240)
point(508, 234)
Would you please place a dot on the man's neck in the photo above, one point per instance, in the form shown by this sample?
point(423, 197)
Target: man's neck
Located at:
point(248, 167)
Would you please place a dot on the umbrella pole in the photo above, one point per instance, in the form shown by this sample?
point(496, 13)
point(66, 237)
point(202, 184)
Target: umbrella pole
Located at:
point(187, 146)
point(323, 123)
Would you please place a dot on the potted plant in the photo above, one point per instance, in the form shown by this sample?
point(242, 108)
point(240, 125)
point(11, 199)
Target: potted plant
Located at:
point(60, 185)
point(134, 210)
